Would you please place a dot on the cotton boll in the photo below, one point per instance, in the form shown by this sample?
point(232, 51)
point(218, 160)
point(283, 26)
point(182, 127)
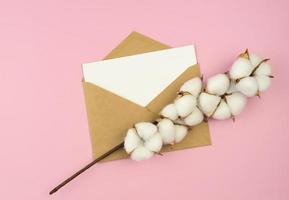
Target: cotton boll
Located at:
point(222, 111)
point(255, 60)
point(248, 86)
point(208, 103)
point(236, 102)
point(263, 82)
point(192, 86)
point(141, 153)
point(185, 105)
point(181, 132)
point(170, 112)
point(154, 143)
point(131, 141)
point(263, 69)
point(145, 129)
point(194, 118)
point(218, 84)
point(167, 131)
point(242, 67)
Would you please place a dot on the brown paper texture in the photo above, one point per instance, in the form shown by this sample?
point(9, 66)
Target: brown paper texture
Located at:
point(110, 116)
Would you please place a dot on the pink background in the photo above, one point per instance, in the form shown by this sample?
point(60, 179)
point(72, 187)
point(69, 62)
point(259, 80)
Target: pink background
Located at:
point(43, 126)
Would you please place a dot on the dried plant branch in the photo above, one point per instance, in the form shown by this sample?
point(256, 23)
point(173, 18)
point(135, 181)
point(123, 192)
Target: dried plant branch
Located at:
point(114, 149)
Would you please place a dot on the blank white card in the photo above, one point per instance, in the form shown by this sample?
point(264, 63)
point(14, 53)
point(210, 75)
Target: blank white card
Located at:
point(140, 78)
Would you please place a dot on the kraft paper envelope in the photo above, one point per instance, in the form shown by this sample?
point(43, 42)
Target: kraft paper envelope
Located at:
point(110, 114)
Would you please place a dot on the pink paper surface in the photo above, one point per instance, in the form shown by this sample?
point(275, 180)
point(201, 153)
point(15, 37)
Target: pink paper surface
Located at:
point(43, 126)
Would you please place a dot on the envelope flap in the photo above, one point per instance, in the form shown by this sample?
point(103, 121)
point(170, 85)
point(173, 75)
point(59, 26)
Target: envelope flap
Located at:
point(136, 43)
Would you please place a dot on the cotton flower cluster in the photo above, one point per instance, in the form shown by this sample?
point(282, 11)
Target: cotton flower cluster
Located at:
point(251, 74)
point(184, 110)
point(146, 138)
point(223, 96)
point(218, 102)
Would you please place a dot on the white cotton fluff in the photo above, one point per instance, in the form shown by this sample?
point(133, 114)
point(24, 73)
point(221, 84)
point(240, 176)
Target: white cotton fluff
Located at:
point(143, 141)
point(169, 111)
point(196, 117)
point(232, 88)
point(218, 84)
point(241, 68)
point(263, 82)
point(192, 86)
point(141, 153)
point(222, 112)
point(263, 69)
point(236, 102)
point(131, 141)
point(154, 143)
point(145, 129)
point(167, 131)
point(181, 132)
point(185, 105)
point(208, 103)
point(248, 86)
point(255, 60)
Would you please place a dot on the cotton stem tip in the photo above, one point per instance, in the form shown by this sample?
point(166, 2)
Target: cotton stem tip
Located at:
point(245, 54)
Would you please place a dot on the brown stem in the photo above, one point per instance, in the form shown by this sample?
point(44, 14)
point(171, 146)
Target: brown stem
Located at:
point(245, 54)
point(254, 70)
point(114, 149)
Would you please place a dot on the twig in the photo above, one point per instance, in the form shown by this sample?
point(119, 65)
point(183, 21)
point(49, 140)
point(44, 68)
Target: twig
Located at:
point(114, 149)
